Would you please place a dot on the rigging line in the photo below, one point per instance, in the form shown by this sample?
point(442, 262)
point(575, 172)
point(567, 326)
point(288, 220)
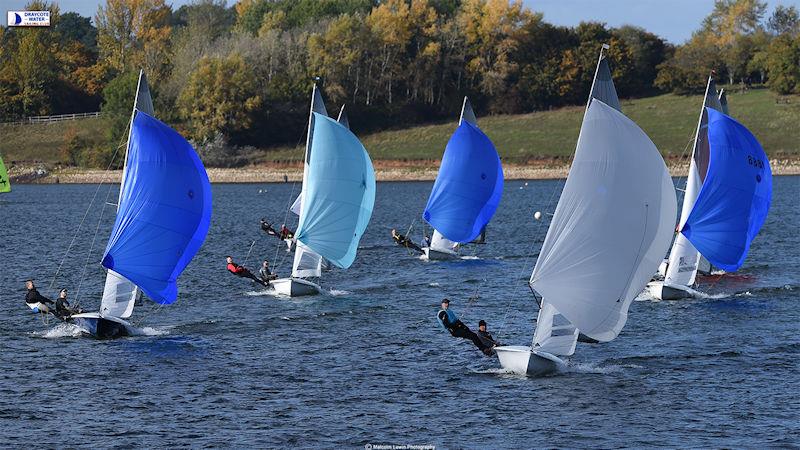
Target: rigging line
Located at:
point(85, 214)
point(91, 248)
point(285, 218)
point(248, 254)
point(528, 257)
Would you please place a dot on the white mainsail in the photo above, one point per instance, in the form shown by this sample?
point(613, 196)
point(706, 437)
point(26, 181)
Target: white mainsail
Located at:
point(612, 225)
point(439, 242)
point(119, 294)
point(603, 84)
point(554, 333)
point(684, 259)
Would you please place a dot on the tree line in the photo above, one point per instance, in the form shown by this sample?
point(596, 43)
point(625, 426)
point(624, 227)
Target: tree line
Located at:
point(238, 76)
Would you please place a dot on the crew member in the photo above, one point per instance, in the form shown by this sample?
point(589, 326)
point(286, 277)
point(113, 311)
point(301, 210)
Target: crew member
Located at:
point(485, 336)
point(450, 322)
point(241, 271)
point(36, 301)
point(265, 273)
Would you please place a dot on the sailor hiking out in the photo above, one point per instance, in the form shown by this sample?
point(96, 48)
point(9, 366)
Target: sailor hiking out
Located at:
point(450, 322)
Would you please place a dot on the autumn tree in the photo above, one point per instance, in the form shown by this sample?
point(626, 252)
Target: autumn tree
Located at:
point(220, 96)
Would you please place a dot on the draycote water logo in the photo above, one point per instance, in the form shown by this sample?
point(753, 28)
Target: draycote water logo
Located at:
point(29, 18)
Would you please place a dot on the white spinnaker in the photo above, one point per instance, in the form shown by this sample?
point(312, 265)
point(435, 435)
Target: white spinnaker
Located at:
point(554, 333)
point(439, 242)
point(611, 228)
point(119, 294)
point(306, 262)
point(684, 259)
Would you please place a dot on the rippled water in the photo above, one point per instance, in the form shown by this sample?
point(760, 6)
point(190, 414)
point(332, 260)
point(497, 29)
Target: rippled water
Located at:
point(367, 363)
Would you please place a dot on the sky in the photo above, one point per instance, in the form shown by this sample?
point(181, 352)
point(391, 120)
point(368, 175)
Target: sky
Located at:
point(673, 20)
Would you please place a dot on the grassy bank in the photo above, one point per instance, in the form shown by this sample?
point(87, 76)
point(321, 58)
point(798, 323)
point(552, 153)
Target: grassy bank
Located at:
point(668, 119)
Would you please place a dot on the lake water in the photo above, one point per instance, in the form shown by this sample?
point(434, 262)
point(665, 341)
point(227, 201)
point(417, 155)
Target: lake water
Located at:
point(227, 366)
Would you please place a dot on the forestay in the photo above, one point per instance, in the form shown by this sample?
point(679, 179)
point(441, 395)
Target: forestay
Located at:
point(164, 210)
point(469, 185)
point(611, 228)
point(684, 258)
point(338, 192)
point(734, 201)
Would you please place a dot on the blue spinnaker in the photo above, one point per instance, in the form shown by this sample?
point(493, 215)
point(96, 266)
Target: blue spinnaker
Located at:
point(468, 188)
point(339, 194)
point(164, 210)
point(734, 201)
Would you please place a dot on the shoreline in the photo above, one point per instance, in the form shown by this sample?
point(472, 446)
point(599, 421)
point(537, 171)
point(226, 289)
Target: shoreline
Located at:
point(543, 169)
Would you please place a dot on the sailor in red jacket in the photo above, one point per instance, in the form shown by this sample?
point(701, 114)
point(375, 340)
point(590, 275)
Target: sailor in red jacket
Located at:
point(241, 271)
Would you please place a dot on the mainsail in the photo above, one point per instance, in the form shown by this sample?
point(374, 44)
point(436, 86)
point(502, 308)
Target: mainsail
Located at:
point(164, 211)
point(612, 225)
point(734, 200)
point(684, 257)
point(469, 185)
point(119, 294)
point(5, 184)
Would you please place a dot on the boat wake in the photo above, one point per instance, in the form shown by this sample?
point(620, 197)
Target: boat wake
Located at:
point(338, 292)
point(68, 330)
point(596, 368)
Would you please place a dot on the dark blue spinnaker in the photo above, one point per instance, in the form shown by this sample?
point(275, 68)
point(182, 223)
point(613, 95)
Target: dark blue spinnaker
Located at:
point(734, 201)
point(468, 188)
point(164, 210)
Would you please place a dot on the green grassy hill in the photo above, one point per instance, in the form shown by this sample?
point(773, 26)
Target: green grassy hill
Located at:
point(669, 120)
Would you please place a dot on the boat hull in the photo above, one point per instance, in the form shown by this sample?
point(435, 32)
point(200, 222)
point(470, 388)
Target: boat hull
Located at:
point(524, 361)
point(662, 291)
point(438, 254)
point(101, 327)
point(295, 287)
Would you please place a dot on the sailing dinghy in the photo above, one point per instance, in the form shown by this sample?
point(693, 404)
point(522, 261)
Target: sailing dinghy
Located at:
point(610, 229)
point(163, 215)
point(467, 189)
point(727, 198)
point(336, 201)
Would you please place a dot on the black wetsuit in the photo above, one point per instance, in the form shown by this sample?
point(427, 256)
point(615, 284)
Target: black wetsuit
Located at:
point(62, 308)
point(33, 296)
point(487, 339)
point(406, 242)
point(267, 227)
point(266, 274)
point(458, 329)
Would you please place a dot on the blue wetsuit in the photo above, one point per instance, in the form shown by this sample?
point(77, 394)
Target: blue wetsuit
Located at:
point(450, 322)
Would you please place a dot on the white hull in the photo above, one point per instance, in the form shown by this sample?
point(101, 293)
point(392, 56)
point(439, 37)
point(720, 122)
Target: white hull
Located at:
point(295, 287)
point(438, 254)
point(524, 361)
point(101, 327)
point(662, 291)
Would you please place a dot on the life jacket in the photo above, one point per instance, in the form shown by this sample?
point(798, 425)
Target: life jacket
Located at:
point(451, 317)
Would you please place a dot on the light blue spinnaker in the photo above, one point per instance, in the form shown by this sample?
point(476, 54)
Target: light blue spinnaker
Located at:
point(164, 210)
point(468, 187)
point(734, 201)
point(339, 194)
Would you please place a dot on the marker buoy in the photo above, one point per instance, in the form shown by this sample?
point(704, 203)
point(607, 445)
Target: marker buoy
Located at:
point(537, 215)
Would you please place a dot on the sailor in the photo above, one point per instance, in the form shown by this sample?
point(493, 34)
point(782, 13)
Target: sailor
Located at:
point(36, 301)
point(265, 273)
point(485, 336)
point(286, 233)
point(63, 309)
point(241, 271)
point(267, 227)
point(404, 241)
point(450, 322)
point(427, 240)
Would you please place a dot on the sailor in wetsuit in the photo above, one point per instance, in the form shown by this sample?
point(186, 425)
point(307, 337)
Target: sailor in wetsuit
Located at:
point(485, 336)
point(286, 233)
point(404, 241)
point(241, 271)
point(36, 301)
point(63, 309)
point(267, 227)
point(450, 322)
point(265, 273)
